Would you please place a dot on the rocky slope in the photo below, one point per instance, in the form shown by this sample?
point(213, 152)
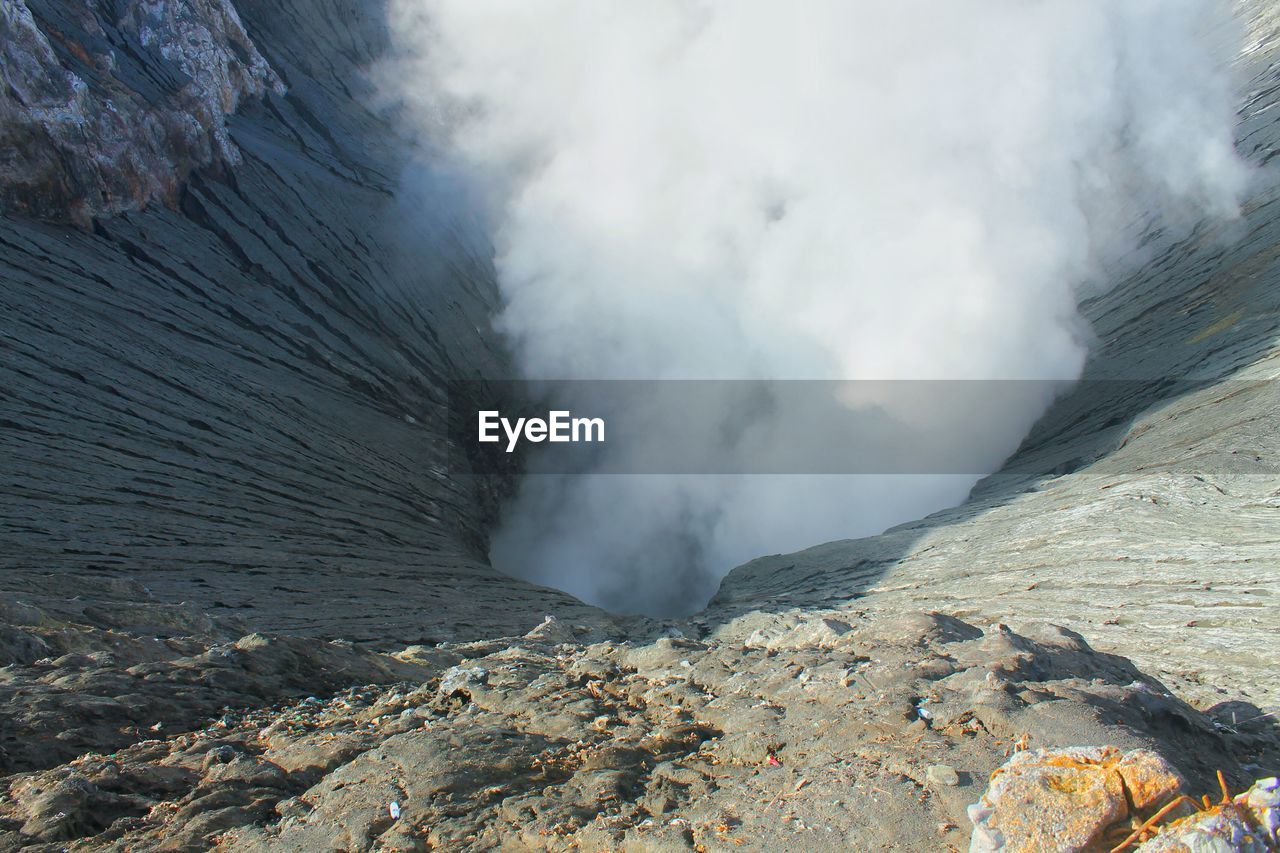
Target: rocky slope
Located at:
point(223, 365)
point(821, 731)
point(228, 393)
point(1143, 510)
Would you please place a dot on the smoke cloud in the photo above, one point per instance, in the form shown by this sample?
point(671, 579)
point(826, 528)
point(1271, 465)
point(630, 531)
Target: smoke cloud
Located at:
point(827, 190)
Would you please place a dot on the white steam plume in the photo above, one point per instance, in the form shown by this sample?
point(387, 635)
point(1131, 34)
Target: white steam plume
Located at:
point(826, 189)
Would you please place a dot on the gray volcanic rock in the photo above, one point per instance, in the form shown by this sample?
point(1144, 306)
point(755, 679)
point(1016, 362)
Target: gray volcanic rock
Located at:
point(108, 106)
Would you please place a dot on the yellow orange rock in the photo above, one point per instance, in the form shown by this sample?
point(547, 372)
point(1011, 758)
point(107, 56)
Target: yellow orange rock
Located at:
point(1067, 799)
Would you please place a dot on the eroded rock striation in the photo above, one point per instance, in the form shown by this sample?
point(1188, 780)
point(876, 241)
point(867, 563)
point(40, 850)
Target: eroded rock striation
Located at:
point(232, 397)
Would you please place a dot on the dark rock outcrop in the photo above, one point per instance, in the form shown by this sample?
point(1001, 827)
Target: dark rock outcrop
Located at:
point(108, 106)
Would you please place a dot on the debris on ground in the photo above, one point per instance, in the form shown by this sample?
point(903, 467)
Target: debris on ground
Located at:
point(797, 730)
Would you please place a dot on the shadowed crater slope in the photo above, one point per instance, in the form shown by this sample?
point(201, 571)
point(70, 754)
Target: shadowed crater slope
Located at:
point(225, 381)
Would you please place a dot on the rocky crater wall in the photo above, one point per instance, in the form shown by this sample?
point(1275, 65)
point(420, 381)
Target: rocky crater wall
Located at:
point(225, 333)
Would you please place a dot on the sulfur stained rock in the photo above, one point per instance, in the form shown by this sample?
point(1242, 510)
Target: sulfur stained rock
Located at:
point(1149, 779)
point(1249, 823)
point(1075, 799)
point(1067, 799)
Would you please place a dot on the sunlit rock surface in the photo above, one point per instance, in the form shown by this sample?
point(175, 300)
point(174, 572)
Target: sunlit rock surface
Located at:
point(1143, 509)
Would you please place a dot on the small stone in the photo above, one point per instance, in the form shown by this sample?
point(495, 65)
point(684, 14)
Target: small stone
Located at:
point(293, 807)
point(943, 774)
point(459, 678)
